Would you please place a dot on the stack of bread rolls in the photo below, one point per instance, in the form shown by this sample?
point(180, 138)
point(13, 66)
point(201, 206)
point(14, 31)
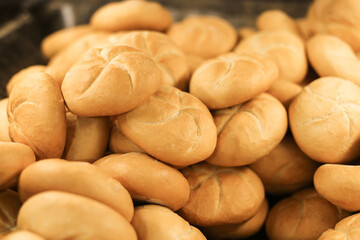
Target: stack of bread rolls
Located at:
point(144, 128)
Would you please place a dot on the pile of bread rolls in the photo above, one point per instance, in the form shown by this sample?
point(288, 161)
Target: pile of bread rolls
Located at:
point(141, 128)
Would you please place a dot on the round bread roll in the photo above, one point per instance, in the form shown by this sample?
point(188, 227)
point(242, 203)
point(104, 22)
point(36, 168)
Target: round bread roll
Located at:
point(21, 75)
point(59, 215)
point(9, 208)
point(305, 215)
point(286, 49)
point(131, 15)
point(119, 143)
point(284, 91)
point(204, 36)
point(240, 230)
point(173, 126)
point(59, 40)
point(325, 120)
point(14, 157)
point(346, 229)
point(86, 138)
point(110, 81)
point(221, 195)
point(22, 235)
point(147, 179)
point(160, 223)
point(249, 131)
point(4, 122)
point(79, 178)
point(286, 169)
point(36, 115)
point(194, 62)
point(340, 184)
point(330, 56)
point(231, 79)
point(245, 32)
point(275, 20)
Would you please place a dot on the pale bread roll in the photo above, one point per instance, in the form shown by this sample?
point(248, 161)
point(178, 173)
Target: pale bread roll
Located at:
point(131, 15)
point(60, 39)
point(284, 91)
point(14, 158)
point(286, 169)
point(276, 20)
point(172, 126)
point(79, 178)
point(4, 122)
point(86, 138)
point(160, 223)
point(9, 207)
point(204, 36)
point(119, 143)
point(284, 48)
point(22, 235)
point(221, 195)
point(110, 81)
point(147, 179)
point(60, 215)
point(231, 79)
point(348, 228)
point(249, 131)
point(36, 113)
point(325, 120)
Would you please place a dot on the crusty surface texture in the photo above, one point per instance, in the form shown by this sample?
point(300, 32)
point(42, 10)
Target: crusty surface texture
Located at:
point(346, 229)
point(9, 207)
point(4, 122)
point(22, 235)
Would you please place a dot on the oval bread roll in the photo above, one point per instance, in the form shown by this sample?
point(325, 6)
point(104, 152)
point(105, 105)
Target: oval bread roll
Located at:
point(131, 15)
point(348, 228)
point(284, 91)
point(147, 179)
point(173, 126)
point(59, 215)
point(248, 131)
point(119, 143)
point(110, 81)
point(231, 79)
point(4, 121)
point(160, 223)
point(36, 115)
point(221, 195)
point(79, 178)
point(276, 20)
point(9, 207)
point(22, 235)
point(325, 120)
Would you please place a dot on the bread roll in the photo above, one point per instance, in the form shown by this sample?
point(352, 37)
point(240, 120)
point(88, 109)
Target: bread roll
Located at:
point(172, 126)
point(204, 36)
point(305, 215)
point(147, 179)
point(131, 15)
point(86, 138)
point(14, 157)
point(303, 28)
point(160, 223)
point(231, 79)
point(22, 235)
point(284, 48)
point(119, 143)
point(325, 120)
point(348, 228)
point(4, 122)
point(249, 131)
point(245, 32)
point(221, 195)
point(110, 81)
point(194, 62)
point(284, 91)
point(36, 115)
point(240, 230)
point(79, 178)
point(285, 169)
point(59, 215)
point(275, 20)
point(9, 208)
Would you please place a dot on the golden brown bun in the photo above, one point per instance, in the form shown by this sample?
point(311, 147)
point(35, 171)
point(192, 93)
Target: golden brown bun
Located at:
point(110, 81)
point(86, 138)
point(284, 48)
point(36, 115)
point(284, 91)
point(231, 79)
point(22, 235)
point(346, 229)
point(60, 39)
point(173, 126)
point(119, 143)
point(4, 122)
point(286, 169)
point(245, 32)
point(79, 178)
point(221, 195)
point(248, 131)
point(324, 119)
point(60, 215)
point(14, 157)
point(131, 15)
point(340, 184)
point(21, 75)
point(240, 230)
point(194, 62)
point(160, 223)
point(9, 208)
point(147, 179)
point(330, 56)
point(276, 20)
point(204, 36)
point(305, 215)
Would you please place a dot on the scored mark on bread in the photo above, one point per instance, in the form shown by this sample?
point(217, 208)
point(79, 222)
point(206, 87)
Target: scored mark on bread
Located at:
point(257, 119)
point(303, 203)
point(222, 77)
point(233, 111)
